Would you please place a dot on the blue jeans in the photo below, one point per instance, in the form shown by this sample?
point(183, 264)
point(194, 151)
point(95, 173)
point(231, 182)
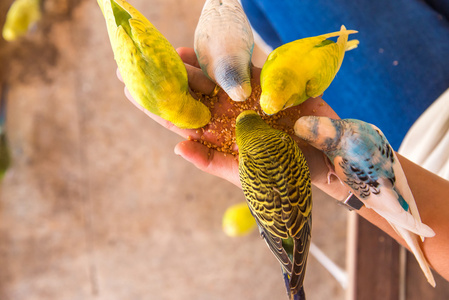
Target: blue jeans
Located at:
point(400, 67)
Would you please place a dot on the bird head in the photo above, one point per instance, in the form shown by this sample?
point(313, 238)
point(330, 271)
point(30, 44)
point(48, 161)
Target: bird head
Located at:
point(246, 124)
point(240, 92)
point(246, 117)
point(281, 90)
point(235, 81)
point(321, 132)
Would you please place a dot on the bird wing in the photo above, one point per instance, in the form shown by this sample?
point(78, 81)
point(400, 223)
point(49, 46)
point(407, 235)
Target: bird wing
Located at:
point(166, 65)
point(277, 248)
point(323, 60)
point(262, 195)
point(403, 189)
point(127, 54)
point(328, 57)
point(277, 186)
point(368, 165)
point(301, 252)
point(262, 201)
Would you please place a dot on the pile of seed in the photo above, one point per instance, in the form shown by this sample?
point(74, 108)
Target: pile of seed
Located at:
point(219, 134)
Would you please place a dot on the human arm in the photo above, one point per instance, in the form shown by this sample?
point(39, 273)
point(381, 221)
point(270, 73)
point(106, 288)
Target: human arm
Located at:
point(427, 188)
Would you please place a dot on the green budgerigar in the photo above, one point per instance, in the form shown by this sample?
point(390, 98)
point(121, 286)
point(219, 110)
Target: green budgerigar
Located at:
point(20, 17)
point(276, 182)
point(150, 67)
point(302, 69)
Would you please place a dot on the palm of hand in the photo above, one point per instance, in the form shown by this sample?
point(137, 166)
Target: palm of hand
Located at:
point(209, 148)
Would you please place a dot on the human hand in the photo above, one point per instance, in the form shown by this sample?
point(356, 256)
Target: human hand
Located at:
point(204, 147)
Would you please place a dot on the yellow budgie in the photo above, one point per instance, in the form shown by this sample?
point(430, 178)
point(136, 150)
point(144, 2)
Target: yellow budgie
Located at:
point(151, 68)
point(302, 69)
point(20, 17)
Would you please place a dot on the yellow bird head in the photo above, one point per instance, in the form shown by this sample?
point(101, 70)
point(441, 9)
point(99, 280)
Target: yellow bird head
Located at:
point(281, 89)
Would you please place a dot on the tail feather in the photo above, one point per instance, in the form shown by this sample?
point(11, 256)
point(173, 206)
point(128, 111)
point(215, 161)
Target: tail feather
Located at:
point(286, 282)
point(406, 221)
point(342, 41)
point(390, 208)
point(352, 44)
point(300, 295)
point(403, 189)
point(412, 241)
point(343, 31)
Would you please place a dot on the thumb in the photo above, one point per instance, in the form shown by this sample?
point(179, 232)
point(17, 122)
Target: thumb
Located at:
point(210, 160)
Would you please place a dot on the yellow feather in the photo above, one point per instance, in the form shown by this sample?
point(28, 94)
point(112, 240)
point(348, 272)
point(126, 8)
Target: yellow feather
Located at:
point(238, 220)
point(302, 69)
point(20, 17)
point(150, 67)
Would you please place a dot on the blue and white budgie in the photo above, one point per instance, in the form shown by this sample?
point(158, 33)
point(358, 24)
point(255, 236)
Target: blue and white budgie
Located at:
point(366, 163)
point(224, 45)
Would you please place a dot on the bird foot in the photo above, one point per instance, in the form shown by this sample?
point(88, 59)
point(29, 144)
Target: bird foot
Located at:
point(331, 171)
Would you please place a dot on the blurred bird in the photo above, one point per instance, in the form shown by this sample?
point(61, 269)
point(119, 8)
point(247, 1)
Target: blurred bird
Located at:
point(5, 159)
point(366, 163)
point(238, 220)
point(150, 67)
point(276, 182)
point(302, 69)
point(22, 15)
point(224, 45)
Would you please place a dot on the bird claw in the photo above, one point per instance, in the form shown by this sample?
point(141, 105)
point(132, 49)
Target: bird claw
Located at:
point(331, 171)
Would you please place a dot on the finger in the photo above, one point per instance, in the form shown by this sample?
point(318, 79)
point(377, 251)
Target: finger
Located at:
point(188, 56)
point(317, 107)
point(255, 74)
point(119, 75)
point(210, 160)
point(185, 133)
point(198, 81)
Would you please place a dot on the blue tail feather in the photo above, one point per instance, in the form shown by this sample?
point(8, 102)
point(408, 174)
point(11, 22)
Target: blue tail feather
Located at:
point(298, 296)
point(403, 203)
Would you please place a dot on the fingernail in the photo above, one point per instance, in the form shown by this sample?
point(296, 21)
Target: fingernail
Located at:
point(176, 150)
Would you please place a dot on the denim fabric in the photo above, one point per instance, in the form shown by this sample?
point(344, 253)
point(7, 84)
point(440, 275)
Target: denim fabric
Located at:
point(400, 67)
